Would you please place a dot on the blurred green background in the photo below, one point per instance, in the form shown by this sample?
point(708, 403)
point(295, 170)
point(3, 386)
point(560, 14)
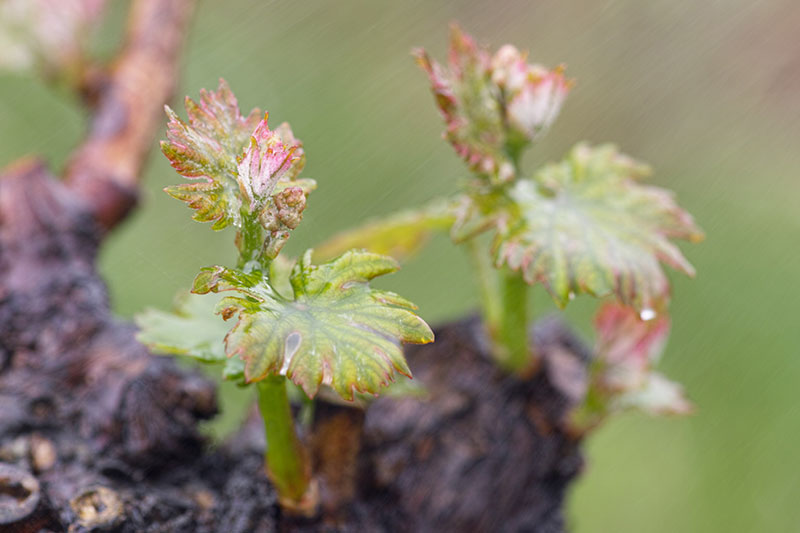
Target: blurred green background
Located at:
point(707, 92)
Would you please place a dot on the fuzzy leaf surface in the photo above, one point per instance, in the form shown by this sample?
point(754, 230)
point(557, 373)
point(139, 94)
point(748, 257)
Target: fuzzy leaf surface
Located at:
point(335, 329)
point(267, 173)
point(192, 329)
point(206, 149)
point(585, 225)
point(465, 98)
point(492, 105)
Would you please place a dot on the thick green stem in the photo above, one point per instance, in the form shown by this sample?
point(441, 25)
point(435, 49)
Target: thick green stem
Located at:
point(507, 319)
point(510, 332)
point(504, 297)
point(287, 464)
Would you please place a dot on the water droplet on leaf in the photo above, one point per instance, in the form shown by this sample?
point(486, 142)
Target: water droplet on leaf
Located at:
point(292, 343)
point(647, 314)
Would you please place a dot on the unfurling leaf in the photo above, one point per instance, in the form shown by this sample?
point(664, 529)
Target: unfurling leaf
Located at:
point(492, 106)
point(191, 330)
point(242, 168)
point(532, 94)
point(334, 330)
point(266, 161)
point(622, 377)
point(627, 345)
point(399, 235)
point(273, 159)
point(585, 225)
point(471, 112)
point(206, 149)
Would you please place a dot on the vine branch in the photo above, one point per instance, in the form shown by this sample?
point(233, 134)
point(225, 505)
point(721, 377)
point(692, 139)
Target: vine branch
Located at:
point(127, 109)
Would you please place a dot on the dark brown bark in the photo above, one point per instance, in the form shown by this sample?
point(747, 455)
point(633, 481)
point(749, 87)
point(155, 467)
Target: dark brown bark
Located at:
point(103, 425)
point(486, 451)
point(72, 374)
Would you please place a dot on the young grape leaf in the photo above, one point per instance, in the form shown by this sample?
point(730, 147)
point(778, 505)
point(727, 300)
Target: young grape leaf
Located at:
point(335, 330)
point(532, 95)
point(626, 350)
point(400, 235)
point(585, 225)
point(627, 345)
point(492, 105)
point(266, 176)
point(266, 161)
point(192, 330)
point(206, 149)
point(401, 387)
point(468, 105)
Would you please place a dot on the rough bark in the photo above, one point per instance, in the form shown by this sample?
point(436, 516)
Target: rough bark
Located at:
point(71, 374)
point(108, 432)
point(486, 450)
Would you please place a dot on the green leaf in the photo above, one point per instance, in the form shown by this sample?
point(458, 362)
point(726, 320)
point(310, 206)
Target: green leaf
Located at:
point(206, 149)
point(400, 235)
point(585, 225)
point(191, 330)
point(335, 330)
point(402, 387)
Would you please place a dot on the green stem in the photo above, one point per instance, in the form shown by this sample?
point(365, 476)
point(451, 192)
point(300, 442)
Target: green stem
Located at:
point(504, 298)
point(249, 240)
point(510, 332)
point(508, 326)
point(286, 461)
point(487, 282)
